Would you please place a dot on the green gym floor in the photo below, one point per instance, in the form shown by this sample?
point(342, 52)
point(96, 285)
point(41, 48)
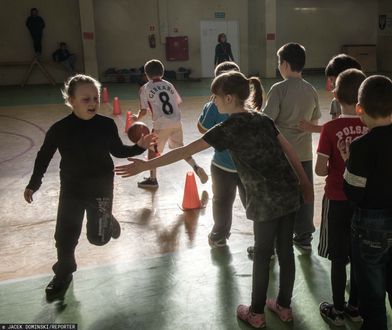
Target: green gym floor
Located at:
point(161, 273)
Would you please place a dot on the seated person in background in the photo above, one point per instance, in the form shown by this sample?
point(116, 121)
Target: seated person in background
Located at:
point(65, 58)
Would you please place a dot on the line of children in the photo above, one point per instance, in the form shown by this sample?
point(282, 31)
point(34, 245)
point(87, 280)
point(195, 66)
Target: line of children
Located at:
point(85, 141)
point(335, 66)
point(262, 157)
point(288, 102)
point(162, 99)
point(224, 176)
point(367, 184)
point(337, 212)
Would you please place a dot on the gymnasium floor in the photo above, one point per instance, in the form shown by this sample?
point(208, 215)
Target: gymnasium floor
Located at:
point(161, 273)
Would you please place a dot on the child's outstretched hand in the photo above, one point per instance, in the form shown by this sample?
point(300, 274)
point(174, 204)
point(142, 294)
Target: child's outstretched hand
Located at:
point(344, 148)
point(305, 125)
point(147, 141)
point(307, 192)
point(28, 195)
point(136, 166)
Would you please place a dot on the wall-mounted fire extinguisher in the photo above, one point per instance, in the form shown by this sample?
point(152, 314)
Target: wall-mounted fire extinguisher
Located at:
point(151, 40)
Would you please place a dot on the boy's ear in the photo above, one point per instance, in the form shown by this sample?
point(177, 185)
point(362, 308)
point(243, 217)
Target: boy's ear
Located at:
point(228, 98)
point(286, 65)
point(71, 100)
point(359, 109)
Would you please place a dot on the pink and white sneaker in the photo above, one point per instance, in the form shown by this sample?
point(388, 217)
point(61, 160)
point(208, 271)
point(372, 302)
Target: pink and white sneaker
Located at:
point(255, 320)
point(285, 314)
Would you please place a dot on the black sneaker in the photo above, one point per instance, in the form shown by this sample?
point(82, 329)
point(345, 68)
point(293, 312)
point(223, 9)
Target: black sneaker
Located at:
point(352, 312)
point(57, 288)
point(329, 313)
point(148, 183)
point(116, 228)
point(216, 243)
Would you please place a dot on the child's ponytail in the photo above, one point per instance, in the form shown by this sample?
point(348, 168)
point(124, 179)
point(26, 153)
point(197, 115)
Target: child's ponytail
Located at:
point(235, 83)
point(255, 99)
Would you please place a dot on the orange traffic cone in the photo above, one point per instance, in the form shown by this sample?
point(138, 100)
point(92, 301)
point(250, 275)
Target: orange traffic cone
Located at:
point(105, 95)
point(116, 106)
point(128, 121)
point(191, 195)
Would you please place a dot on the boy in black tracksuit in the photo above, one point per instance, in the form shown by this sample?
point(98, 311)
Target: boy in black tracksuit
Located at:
point(367, 184)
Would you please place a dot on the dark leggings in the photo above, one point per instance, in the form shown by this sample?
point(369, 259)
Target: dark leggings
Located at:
point(69, 226)
point(338, 281)
point(281, 230)
point(224, 188)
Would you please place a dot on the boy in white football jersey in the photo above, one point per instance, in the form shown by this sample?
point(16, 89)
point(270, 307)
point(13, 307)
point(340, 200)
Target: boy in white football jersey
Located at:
point(162, 99)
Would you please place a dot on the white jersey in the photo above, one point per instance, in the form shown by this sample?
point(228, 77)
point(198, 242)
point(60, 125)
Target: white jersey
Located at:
point(162, 99)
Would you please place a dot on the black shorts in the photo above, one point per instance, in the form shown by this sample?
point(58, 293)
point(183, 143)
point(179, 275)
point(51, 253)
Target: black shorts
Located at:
point(335, 231)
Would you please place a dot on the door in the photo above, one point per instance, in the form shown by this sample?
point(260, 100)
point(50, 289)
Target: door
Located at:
point(209, 31)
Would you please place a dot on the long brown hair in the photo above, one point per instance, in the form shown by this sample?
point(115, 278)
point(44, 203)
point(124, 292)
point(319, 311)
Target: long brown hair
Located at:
point(235, 83)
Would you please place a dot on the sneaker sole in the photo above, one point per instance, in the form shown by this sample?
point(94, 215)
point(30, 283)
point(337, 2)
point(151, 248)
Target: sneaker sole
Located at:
point(215, 245)
point(331, 322)
point(246, 322)
point(147, 186)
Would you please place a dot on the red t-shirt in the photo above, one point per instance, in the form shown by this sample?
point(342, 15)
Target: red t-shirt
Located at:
point(345, 127)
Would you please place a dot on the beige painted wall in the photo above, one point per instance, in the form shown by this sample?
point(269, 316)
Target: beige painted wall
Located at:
point(87, 22)
point(123, 27)
point(256, 37)
point(323, 26)
point(62, 24)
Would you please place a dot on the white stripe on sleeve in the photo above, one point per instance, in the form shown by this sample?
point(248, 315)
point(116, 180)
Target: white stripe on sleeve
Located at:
point(354, 180)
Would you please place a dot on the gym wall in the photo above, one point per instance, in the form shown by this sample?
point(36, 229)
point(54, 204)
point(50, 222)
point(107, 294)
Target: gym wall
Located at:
point(122, 28)
point(62, 22)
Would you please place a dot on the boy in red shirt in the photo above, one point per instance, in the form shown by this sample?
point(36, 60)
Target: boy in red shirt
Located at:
point(336, 210)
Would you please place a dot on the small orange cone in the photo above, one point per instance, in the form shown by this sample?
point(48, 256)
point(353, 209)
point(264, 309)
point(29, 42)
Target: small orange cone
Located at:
point(128, 121)
point(191, 195)
point(105, 95)
point(116, 106)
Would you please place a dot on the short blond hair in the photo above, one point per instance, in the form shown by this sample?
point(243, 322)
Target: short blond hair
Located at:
point(73, 82)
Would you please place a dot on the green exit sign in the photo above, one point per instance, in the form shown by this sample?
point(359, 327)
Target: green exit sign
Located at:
point(220, 14)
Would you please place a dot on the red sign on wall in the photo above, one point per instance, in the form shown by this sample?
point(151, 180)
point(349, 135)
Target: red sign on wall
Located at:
point(177, 49)
point(88, 35)
point(270, 36)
